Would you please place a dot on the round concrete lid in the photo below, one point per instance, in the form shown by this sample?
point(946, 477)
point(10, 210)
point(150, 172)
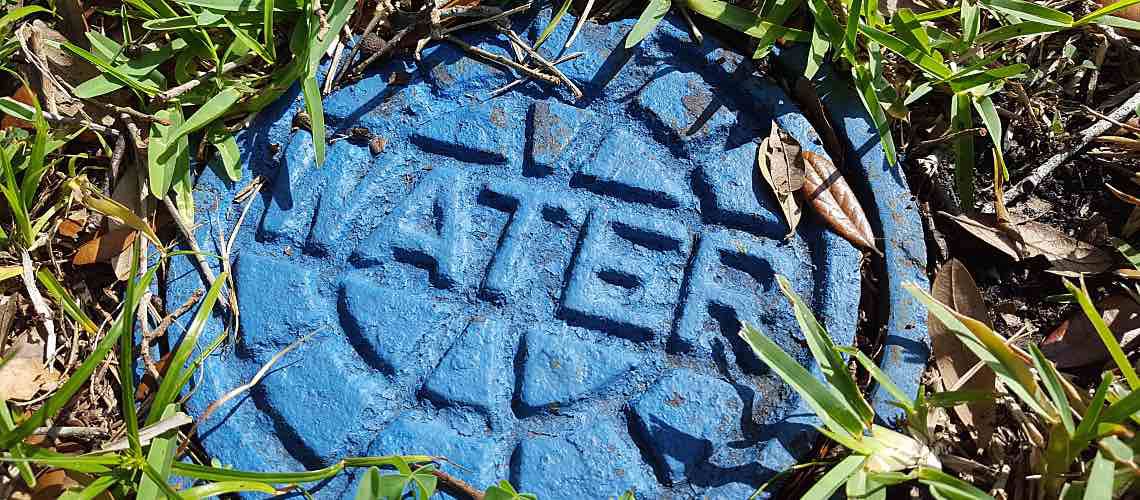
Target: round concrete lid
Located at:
point(540, 288)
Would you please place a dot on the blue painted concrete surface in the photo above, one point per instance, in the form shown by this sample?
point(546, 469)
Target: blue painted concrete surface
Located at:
point(540, 288)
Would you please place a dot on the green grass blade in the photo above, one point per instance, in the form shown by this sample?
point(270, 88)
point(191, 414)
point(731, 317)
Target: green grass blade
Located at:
point(228, 164)
point(18, 13)
point(111, 70)
point(554, 21)
point(1011, 31)
point(1052, 380)
point(971, 81)
point(915, 55)
point(834, 479)
point(79, 377)
point(87, 464)
point(208, 473)
point(1130, 253)
point(851, 31)
point(94, 489)
point(6, 425)
point(910, 30)
point(1089, 421)
point(778, 14)
point(249, 41)
point(138, 67)
point(209, 111)
point(825, 352)
point(170, 387)
point(744, 21)
point(1105, 334)
point(126, 356)
point(160, 455)
point(949, 486)
point(971, 20)
point(964, 167)
point(317, 115)
point(881, 377)
point(165, 488)
point(650, 17)
point(1120, 22)
point(37, 165)
point(268, 33)
point(818, 52)
point(17, 109)
point(1101, 476)
point(224, 487)
point(245, 5)
point(66, 301)
point(874, 108)
point(163, 161)
point(827, 404)
point(1122, 409)
point(1029, 11)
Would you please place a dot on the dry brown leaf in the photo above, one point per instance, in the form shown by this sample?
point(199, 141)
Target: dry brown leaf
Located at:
point(1028, 239)
point(954, 287)
point(789, 204)
point(1075, 342)
point(784, 161)
point(24, 374)
point(105, 247)
point(833, 199)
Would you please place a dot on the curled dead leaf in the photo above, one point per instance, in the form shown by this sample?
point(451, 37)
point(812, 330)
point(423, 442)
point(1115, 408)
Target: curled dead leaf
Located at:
point(834, 201)
point(779, 162)
point(1075, 342)
point(784, 161)
point(954, 287)
point(1028, 239)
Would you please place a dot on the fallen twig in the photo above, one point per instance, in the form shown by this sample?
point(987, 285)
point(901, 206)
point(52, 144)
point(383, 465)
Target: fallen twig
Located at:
point(496, 58)
point(485, 20)
point(499, 91)
point(1026, 185)
point(542, 60)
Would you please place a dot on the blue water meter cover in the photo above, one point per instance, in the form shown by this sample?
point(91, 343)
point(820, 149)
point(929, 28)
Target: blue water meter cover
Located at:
point(541, 288)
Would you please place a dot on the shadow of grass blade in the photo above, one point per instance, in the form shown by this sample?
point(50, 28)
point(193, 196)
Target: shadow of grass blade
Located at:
point(6, 425)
